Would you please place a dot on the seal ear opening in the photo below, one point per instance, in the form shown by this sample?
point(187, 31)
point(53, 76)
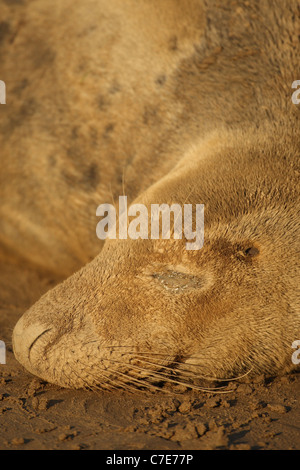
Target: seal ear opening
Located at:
point(251, 252)
point(248, 252)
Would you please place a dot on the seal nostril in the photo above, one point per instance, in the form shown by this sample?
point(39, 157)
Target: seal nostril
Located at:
point(26, 335)
point(36, 339)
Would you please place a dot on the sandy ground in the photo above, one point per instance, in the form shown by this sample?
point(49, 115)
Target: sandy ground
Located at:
point(36, 415)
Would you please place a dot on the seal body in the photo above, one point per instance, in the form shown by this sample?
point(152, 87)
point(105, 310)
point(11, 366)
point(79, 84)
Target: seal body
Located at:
point(176, 103)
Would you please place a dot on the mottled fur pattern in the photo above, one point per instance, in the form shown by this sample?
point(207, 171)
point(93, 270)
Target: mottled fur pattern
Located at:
point(165, 101)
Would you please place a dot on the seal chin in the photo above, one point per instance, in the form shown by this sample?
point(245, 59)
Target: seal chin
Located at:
point(24, 339)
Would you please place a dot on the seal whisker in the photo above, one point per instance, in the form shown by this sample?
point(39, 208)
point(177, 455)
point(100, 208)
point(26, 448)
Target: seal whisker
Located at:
point(141, 381)
point(166, 378)
point(206, 377)
point(168, 358)
point(180, 371)
point(183, 372)
point(120, 382)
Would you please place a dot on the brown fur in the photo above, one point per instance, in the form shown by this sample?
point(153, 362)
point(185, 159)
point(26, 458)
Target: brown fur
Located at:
point(170, 102)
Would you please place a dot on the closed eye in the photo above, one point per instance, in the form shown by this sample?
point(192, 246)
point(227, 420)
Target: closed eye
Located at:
point(177, 281)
